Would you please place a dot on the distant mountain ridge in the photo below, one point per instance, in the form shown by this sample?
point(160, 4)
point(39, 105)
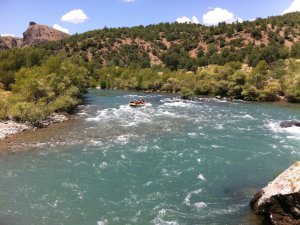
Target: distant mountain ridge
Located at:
point(35, 34)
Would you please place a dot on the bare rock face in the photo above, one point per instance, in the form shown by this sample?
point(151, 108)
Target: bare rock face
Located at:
point(280, 200)
point(34, 35)
point(37, 34)
point(7, 42)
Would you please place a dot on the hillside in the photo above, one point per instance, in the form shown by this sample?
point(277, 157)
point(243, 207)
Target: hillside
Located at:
point(187, 46)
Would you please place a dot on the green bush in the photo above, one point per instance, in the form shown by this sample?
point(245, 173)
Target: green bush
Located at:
point(250, 93)
point(63, 103)
point(3, 109)
point(271, 91)
point(103, 84)
point(186, 93)
point(28, 111)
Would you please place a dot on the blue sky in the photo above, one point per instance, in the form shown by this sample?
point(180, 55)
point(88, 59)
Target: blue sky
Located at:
point(15, 14)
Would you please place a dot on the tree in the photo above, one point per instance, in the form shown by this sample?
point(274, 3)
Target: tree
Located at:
point(295, 50)
point(172, 61)
point(270, 54)
point(259, 74)
point(212, 49)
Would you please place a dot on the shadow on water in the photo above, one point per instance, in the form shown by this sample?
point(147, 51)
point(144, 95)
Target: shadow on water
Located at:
point(247, 192)
point(256, 220)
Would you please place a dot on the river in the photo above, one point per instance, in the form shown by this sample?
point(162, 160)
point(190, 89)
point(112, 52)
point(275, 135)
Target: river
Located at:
point(170, 162)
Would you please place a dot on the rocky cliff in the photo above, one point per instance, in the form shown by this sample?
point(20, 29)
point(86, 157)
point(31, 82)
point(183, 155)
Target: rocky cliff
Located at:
point(37, 34)
point(7, 42)
point(34, 35)
point(280, 200)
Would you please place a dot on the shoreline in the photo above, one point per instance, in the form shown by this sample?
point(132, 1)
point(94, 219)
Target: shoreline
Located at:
point(279, 99)
point(9, 128)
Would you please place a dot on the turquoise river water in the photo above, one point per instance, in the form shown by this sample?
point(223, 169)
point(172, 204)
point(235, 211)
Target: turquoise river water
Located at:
point(171, 162)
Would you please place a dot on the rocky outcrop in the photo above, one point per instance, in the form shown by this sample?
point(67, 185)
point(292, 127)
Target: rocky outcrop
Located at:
point(7, 42)
point(37, 34)
point(34, 35)
point(280, 200)
point(287, 124)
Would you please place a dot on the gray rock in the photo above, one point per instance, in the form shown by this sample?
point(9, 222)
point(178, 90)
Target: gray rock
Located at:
point(53, 118)
point(280, 200)
point(287, 124)
point(10, 127)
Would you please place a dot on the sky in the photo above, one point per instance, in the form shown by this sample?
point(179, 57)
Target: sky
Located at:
point(78, 16)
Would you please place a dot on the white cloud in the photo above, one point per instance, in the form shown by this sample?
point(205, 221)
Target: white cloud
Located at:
point(294, 7)
point(195, 20)
point(128, 0)
point(185, 19)
point(217, 15)
point(75, 16)
point(57, 27)
point(5, 35)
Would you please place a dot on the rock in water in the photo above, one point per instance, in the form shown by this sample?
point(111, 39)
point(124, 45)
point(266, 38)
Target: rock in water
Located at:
point(280, 200)
point(287, 124)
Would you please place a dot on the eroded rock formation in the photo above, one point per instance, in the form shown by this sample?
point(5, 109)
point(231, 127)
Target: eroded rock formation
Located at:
point(7, 42)
point(280, 200)
point(37, 34)
point(34, 35)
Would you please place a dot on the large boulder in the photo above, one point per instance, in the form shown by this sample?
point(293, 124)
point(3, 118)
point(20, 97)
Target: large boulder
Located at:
point(280, 200)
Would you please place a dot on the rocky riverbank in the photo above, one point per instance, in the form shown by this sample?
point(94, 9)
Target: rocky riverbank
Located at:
point(10, 127)
point(280, 200)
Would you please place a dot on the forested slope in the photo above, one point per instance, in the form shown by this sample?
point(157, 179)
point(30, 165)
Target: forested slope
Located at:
point(188, 46)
